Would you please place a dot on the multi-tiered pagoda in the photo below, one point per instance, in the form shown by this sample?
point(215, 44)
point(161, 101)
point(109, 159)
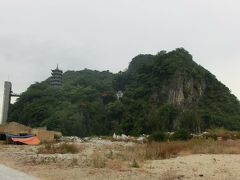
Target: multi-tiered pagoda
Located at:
point(57, 77)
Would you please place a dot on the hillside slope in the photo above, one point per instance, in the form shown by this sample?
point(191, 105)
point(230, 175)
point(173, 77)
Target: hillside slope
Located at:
point(167, 91)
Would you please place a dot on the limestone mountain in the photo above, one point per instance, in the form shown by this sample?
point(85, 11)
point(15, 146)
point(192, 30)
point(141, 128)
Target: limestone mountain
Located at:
point(167, 91)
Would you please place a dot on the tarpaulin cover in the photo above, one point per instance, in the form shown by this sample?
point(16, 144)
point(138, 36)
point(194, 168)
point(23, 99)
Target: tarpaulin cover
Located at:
point(18, 136)
point(31, 140)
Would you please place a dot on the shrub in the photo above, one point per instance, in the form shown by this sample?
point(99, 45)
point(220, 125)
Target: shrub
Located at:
point(74, 163)
point(63, 148)
point(135, 164)
point(68, 148)
point(158, 136)
point(181, 134)
point(210, 136)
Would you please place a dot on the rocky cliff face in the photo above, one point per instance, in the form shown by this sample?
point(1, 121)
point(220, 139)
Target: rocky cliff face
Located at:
point(186, 91)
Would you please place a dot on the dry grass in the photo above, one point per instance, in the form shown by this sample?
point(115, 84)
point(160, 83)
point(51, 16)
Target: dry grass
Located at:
point(63, 148)
point(215, 147)
point(115, 164)
point(224, 134)
point(98, 160)
point(164, 150)
point(152, 151)
point(118, 157)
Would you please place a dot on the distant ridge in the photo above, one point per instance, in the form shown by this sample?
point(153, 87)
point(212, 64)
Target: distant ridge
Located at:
point(162, 92)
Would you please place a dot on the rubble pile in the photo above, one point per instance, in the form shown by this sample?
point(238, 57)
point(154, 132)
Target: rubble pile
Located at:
point(71, 139)
point(125, 138)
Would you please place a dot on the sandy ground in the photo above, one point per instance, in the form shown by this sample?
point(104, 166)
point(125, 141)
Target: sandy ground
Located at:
point(78, 166)
point(222, 167)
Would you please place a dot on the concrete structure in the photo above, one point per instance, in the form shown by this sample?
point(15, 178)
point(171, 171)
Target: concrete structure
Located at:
point(6, 100)
point(57, 77)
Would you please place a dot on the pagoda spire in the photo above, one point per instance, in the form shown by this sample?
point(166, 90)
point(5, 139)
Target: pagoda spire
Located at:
point(57, 77)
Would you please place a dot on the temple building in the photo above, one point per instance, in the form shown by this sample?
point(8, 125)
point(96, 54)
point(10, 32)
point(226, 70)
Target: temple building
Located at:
point(57, 77)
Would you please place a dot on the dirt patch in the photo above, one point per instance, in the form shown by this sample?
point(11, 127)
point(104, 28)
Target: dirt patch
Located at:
point(103, 159)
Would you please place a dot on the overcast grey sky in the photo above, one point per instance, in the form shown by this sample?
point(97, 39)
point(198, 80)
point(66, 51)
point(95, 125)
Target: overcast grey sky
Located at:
point(35, 35)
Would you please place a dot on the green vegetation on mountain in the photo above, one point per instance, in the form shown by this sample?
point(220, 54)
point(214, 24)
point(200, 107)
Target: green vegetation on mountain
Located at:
point(163, 92)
